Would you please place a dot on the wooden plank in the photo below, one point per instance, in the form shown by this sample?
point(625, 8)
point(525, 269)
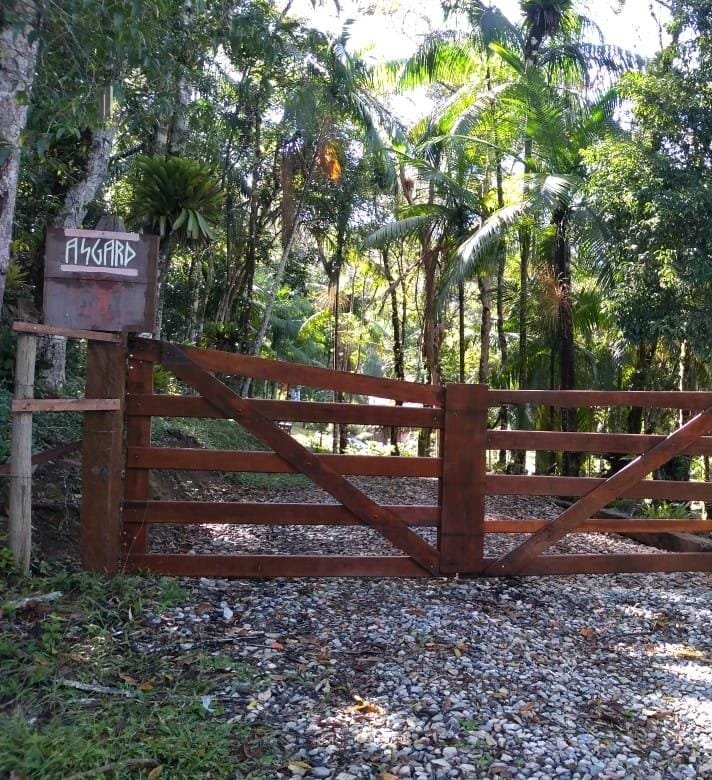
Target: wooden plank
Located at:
point(47, 456)
point(139, 380)
point(634, 563)
point(557, 441)
point(235, 407)
point(669, 399)
point(296, 373)
point(72, 333)
point(20, 498)
point(461, 535)
point(193, 459)
point(511, 563)
point(515, 485)
point(243, 513)
point(294, 411)
point(102, 460)
point(606, 525)
point(67, 405)
point(257, 566)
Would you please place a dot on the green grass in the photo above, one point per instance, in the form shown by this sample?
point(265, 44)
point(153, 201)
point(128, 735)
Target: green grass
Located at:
point(161, 707)
point(226, 435)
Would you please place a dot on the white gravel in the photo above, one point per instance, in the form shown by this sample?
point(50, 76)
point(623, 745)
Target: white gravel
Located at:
point(565, 677)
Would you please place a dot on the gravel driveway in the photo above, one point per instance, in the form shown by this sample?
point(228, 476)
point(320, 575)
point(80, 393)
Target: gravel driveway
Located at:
point(570, 677)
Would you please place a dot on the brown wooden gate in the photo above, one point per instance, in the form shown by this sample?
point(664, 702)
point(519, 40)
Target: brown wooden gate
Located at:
point(458, 413)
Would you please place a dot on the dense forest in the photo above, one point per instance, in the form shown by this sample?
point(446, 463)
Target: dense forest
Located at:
point(544, 225)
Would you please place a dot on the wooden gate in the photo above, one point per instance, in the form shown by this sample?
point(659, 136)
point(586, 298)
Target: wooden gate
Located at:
point(458, 413)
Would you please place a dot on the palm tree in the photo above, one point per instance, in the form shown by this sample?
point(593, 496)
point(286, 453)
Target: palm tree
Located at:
point(552, 201)
point(334, 104)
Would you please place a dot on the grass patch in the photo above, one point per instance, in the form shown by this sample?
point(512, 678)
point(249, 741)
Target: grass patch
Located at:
point(82, 687)
point(225, 435)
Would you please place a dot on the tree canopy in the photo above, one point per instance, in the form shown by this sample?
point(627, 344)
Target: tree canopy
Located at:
point(540, 221)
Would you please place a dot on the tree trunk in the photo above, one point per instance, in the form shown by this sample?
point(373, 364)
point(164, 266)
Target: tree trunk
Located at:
point(398, 345)
point(567, 364)
point(522, 412)
point(81, 194)
point(53, 349)
point(461, 329)
point(165, 252)
point(485, 285)
point(643, 361)
point(195, 284)
point(432, 331)
point(18, 55)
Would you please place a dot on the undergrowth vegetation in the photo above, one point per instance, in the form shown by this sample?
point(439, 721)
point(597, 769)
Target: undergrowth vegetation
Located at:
point(81, 696)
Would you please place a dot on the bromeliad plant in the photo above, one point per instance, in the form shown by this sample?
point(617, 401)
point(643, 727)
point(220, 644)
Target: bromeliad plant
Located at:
point(178, 199)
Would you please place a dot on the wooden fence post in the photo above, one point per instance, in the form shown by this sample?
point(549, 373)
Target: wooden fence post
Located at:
point(20, 509)
point(103, 459)
point(462, 521)
point(138, 434)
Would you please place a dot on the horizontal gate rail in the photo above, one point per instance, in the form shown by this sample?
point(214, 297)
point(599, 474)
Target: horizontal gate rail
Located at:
point(401, 566)
point(231, 364)
point(696, 400)
point(415, 515)
point(659, 489)
point(292, 411)
point(268, 462)
point(557, 441)
point(244, 513)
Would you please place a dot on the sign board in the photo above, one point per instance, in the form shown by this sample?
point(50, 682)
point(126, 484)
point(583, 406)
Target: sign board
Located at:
point(100, 280)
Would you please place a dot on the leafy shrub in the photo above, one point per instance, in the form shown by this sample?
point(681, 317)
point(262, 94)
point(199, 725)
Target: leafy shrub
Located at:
point(665, 510)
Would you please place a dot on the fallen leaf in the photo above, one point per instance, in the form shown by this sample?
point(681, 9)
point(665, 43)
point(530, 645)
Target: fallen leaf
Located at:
point(692, 654)
point(527, 710)
point(155, 773)
point(388, 776)
point(588, 633)
point(203, 607)
point(127, 678)
point(363, 706)
point(277, 646)
point(146, 686)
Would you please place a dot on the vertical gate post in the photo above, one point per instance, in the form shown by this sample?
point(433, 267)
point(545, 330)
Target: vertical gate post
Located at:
point(103, 459)
point(20, 498)
point(462, 519)
point(138, 434)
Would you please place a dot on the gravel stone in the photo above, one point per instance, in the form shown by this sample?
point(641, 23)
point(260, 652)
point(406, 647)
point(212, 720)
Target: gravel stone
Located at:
point(582, 677)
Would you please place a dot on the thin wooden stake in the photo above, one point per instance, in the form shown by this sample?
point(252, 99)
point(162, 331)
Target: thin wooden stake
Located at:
point(20, 529)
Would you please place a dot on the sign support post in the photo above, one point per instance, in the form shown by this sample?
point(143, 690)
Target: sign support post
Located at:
point(20, 509)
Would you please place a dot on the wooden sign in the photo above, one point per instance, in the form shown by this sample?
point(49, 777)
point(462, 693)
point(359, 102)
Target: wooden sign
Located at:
point(100, 280)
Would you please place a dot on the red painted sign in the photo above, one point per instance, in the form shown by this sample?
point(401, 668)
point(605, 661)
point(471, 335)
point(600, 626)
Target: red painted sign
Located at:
point(100, 280)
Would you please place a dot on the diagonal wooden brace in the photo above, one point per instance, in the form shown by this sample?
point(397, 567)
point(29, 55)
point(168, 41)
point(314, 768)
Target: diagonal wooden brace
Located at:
point(361, 506)
point(513, 562)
